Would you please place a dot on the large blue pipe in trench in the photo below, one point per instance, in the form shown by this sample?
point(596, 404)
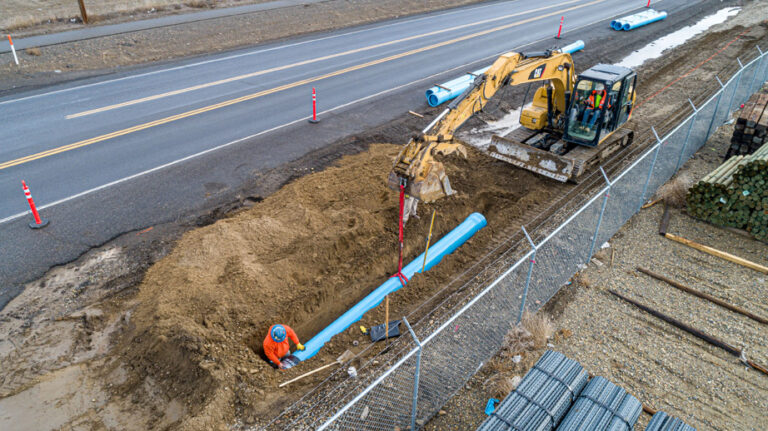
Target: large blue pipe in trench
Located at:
point(452, 89)
point(442, 248)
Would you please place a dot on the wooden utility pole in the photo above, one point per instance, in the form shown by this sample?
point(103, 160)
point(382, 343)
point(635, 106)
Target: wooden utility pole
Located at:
point(83, 13)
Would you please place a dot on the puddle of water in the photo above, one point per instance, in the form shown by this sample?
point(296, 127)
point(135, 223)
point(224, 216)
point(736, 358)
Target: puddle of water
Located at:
point(61, 396)
point(657, 47)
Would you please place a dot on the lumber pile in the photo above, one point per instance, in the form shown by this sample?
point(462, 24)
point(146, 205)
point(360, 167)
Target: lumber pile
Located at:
point(735, 194)
point(751, 129)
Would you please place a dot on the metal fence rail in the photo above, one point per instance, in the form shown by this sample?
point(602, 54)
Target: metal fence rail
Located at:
point(413, 380)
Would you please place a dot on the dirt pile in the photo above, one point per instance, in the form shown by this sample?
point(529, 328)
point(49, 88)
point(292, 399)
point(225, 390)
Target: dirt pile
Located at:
point(301, 257)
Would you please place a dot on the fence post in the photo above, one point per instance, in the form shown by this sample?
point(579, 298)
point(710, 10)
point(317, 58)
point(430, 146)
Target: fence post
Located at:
point(717, 106)
point(659, 143)
point(765, 69)
point(688, 135)
point(416, 376)
point(602, 210)
point(758, 63)
point(528, 279)
point(736, 90)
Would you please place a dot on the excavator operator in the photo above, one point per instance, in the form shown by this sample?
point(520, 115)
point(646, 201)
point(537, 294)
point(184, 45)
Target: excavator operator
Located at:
point(595, 103)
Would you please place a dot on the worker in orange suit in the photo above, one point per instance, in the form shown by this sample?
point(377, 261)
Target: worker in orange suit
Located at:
point(276, 344)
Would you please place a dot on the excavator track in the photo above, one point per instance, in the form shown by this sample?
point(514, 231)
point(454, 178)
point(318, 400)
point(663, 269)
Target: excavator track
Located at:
point(513, 148)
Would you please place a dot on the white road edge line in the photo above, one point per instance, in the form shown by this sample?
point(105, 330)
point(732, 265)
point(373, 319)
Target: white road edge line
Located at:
point(237, 141)
point(245, 54)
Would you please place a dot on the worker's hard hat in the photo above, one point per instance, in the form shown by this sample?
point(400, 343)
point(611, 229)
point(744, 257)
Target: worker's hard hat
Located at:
point(278, 333)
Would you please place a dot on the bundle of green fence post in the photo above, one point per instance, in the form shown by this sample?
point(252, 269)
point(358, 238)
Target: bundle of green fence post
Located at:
point(735, 194)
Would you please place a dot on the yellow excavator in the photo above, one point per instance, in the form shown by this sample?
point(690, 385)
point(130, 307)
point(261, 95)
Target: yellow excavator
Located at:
point(572, 123)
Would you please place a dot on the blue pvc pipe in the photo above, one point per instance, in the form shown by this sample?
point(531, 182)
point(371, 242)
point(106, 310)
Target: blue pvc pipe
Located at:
point(436, 95)
point(442, 248)
point(575, 46)
point(631, 26)
point(632, 22)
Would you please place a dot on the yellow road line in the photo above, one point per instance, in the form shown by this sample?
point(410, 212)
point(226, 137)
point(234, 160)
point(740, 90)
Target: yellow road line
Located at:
point(231, 102)
point(302, 63)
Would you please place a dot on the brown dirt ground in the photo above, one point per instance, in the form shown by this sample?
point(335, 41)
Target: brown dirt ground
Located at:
point(188, 342)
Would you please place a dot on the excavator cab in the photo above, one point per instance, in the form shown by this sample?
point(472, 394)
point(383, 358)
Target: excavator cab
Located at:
point(601, 102)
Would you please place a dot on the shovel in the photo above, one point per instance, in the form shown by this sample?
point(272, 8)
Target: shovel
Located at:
point(346, 356)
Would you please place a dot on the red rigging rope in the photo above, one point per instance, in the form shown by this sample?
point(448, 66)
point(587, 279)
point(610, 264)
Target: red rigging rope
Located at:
point(403, 279)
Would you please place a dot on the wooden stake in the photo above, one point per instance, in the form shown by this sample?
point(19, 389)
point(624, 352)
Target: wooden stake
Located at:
point(83, 13)
point(651, 203)
point(429, 237)
point(664, 224)
point(650, 410)
point(717, 253)
point(386, 319)
point(703, 295)
point(416, 114)
point(695, 332)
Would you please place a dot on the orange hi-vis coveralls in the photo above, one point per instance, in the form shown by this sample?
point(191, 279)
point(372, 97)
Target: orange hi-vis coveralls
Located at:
point(275, 351)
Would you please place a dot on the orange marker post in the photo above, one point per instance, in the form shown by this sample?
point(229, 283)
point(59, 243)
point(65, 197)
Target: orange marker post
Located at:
point(13, 50)
point(39, 222)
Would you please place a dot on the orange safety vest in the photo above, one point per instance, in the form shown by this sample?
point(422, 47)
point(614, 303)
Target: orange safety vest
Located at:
point(275, 351)
point(600, 99)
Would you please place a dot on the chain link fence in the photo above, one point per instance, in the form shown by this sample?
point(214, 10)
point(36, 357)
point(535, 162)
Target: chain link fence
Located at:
point(408, 383)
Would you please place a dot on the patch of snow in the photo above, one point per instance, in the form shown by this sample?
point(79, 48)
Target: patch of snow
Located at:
point(657, 47)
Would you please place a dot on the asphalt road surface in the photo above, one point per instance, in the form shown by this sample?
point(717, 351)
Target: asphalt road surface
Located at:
point(122, 152)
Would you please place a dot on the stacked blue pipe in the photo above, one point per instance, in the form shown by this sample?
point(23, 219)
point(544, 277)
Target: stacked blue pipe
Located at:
point(447, 245)
point(452, 89)
point(632, 22)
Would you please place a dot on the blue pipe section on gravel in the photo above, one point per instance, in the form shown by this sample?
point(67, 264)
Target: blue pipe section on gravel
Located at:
point(452, 89)
point(575, 46)
point(442, 248)
point(632, 22)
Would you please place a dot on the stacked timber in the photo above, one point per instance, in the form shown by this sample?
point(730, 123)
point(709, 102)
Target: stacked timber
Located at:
point(735, 194)
point(751, 129)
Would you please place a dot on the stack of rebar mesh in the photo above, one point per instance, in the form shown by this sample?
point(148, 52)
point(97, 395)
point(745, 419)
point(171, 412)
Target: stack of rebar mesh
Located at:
point(555, 395)
point(543, 397)
point(663, 422)
point(602, 406)
point(735, 194)
point(751, 129)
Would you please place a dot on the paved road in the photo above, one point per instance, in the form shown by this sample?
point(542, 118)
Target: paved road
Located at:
point(131, 26)
point(120, 153)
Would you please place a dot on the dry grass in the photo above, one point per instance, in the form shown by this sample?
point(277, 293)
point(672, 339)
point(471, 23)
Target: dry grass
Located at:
point(499, 386)
point(673, 193)
point(17, 22)
point(540, 328)
point(33, 51)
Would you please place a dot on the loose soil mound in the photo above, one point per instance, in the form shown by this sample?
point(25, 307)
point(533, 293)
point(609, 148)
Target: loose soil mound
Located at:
point(301, 257)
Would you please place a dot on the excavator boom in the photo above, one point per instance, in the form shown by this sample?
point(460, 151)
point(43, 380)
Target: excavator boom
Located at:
point(416, 166)
point(572, 123)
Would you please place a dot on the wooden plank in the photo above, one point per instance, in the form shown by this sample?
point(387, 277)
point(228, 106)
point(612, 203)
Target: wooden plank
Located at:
point(747, 110)
point(762, 124)
point(758, 110)
point(717, 253)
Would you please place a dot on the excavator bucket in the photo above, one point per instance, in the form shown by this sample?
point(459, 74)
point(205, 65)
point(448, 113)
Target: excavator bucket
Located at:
point(525, 156)
point(425, 177)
